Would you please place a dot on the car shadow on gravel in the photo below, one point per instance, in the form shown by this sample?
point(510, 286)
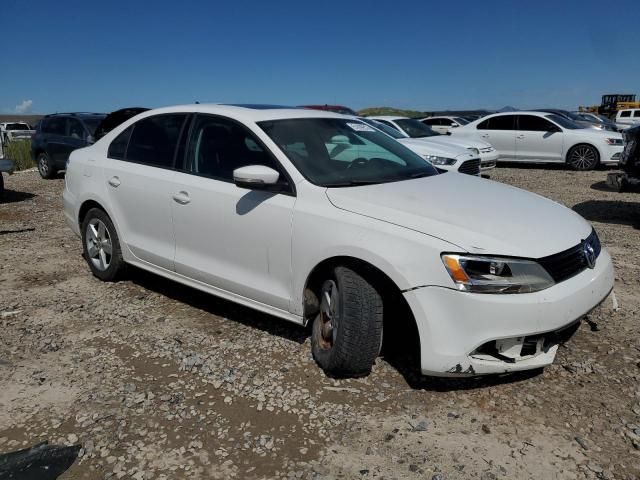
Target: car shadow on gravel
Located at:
point(219, 306)
point(547, 166)
point(610, 211)
point(11, 196)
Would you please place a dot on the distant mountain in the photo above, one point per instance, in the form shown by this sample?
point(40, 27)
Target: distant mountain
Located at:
point(377, 111)
point(508, 109)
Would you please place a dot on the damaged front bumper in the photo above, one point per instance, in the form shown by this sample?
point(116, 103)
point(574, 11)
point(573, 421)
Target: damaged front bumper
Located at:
point(474, 334)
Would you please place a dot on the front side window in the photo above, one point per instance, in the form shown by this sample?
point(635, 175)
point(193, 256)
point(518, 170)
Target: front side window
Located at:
point(218, 146)
point(17, 126)
point(332, 152)
point(501, 122)
point(415, 129)
point(636, 114)
point(564, 122)
point(532, 123)
point(75, 129)
point(625, 113)
point(154, 139)
point(431, 121)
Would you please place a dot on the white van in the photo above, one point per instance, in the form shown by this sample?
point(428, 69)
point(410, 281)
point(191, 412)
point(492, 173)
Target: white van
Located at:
point(627, 117)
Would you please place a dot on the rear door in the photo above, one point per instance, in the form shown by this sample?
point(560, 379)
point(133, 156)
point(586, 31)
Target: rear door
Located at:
point(539, 140)
point(140, 178)
point(500, 132)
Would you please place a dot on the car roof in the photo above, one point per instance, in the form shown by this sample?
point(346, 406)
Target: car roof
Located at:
point(247, 112)
point(389, 117)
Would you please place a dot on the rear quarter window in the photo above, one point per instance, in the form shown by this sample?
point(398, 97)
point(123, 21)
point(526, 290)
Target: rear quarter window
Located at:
point(118, 147)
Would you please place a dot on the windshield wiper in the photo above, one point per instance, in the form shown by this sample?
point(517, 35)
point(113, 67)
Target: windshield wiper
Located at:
point(351, 183)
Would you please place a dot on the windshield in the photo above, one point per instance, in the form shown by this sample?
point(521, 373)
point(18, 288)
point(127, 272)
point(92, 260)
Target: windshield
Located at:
point(92, 124)
point(392, 132)
point(461, 121)
point(333, 152)
point(563, 122)
point(17, 126)
point(414, 128)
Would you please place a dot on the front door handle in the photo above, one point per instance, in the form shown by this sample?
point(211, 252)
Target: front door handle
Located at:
point(485, 135)
point(114, 182)
point(182, 198)
point(520, 137)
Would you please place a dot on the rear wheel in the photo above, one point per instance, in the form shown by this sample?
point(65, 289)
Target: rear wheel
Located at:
point(347, 331)
point(583, 157)
point(101, 246)
point(45, 167)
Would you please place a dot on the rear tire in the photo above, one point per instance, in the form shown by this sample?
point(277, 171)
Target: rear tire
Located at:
point(347, 332)
point(583, 157)
point(101, 246)
point(45, 167)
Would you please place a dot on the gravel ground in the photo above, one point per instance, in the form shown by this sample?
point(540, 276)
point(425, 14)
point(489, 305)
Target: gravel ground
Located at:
point(155, 380)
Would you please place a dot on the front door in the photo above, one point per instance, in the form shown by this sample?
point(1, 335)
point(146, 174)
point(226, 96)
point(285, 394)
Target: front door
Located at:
point(539, 140)
point(234, 239)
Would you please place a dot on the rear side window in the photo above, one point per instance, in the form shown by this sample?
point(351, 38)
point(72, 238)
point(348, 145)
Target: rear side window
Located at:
point(75, 129)
point(154, 140)
point(636, 114)
point(118, 147)
point(532, 123)
point(625, 113)
point(431, 121)
point(54, 126)
point(503, 122)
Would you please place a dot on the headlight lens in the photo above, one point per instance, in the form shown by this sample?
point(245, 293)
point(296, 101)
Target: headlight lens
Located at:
point(435, 160)
point(614, 141)
point(474, 150)
point(480, 274)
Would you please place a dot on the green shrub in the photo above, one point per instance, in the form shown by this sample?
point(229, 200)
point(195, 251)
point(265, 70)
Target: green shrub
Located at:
point(20, 152)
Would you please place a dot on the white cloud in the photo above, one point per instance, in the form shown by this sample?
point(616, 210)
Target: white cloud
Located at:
point(24, 107)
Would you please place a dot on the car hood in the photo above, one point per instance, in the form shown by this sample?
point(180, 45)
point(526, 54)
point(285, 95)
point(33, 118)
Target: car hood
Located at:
point(424, 147)
point(477, 215)
point(458, 142)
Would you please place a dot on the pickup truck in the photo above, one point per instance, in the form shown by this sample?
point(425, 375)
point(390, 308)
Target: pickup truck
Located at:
point(10, 131)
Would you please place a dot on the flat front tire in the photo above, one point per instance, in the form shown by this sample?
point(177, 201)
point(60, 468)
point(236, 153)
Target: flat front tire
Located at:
point(101, 246)
point(347, 331)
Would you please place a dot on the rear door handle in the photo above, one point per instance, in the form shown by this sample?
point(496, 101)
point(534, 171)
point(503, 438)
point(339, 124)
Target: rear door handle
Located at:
point(520, 136)
point(485, 135)
point(182, 198)
point(114, 182)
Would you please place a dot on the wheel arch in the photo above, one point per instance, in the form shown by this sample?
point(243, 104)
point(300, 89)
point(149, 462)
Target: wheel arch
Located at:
point(582, 144)
point(399, 321)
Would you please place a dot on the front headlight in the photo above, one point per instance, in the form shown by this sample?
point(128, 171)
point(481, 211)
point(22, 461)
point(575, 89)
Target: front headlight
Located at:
point(474, 273)
point(614, 141)
point(474, 150)
point(435, 160)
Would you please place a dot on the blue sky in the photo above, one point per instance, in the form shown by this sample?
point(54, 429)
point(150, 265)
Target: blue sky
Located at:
point(100, 56)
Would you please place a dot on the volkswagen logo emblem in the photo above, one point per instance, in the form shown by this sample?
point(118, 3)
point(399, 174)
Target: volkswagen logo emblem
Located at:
point(589, 254)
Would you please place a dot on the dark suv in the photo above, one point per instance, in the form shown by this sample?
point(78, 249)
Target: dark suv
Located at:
point(57, 135)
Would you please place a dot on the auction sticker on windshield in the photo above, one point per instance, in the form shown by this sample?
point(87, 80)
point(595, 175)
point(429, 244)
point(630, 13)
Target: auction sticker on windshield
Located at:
point(361, 127)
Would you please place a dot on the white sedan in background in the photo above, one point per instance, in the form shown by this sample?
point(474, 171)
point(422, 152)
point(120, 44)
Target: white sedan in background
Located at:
point(412, 128)
point(540, 137)
point(444, 124)
point(247, 203)
point(444, 157)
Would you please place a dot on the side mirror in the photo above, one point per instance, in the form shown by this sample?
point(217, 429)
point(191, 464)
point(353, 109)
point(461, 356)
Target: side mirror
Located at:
point(255, 177)
point(90, 140)
point(454, 125)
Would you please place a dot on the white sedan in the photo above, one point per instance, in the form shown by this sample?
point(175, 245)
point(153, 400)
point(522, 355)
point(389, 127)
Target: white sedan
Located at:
point(444, 124)
point(247, 203)
point(444, 157)
point(411, 128)
point(544, 137)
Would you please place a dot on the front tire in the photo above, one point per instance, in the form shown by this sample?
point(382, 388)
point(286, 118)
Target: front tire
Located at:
point(45, 167)
point(583, 157)
point(347, 332)
point(101, 246)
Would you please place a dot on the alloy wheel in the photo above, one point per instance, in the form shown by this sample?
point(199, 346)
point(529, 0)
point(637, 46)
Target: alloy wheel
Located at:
point(583, 158)
point(329, 310)
point(99, 246)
